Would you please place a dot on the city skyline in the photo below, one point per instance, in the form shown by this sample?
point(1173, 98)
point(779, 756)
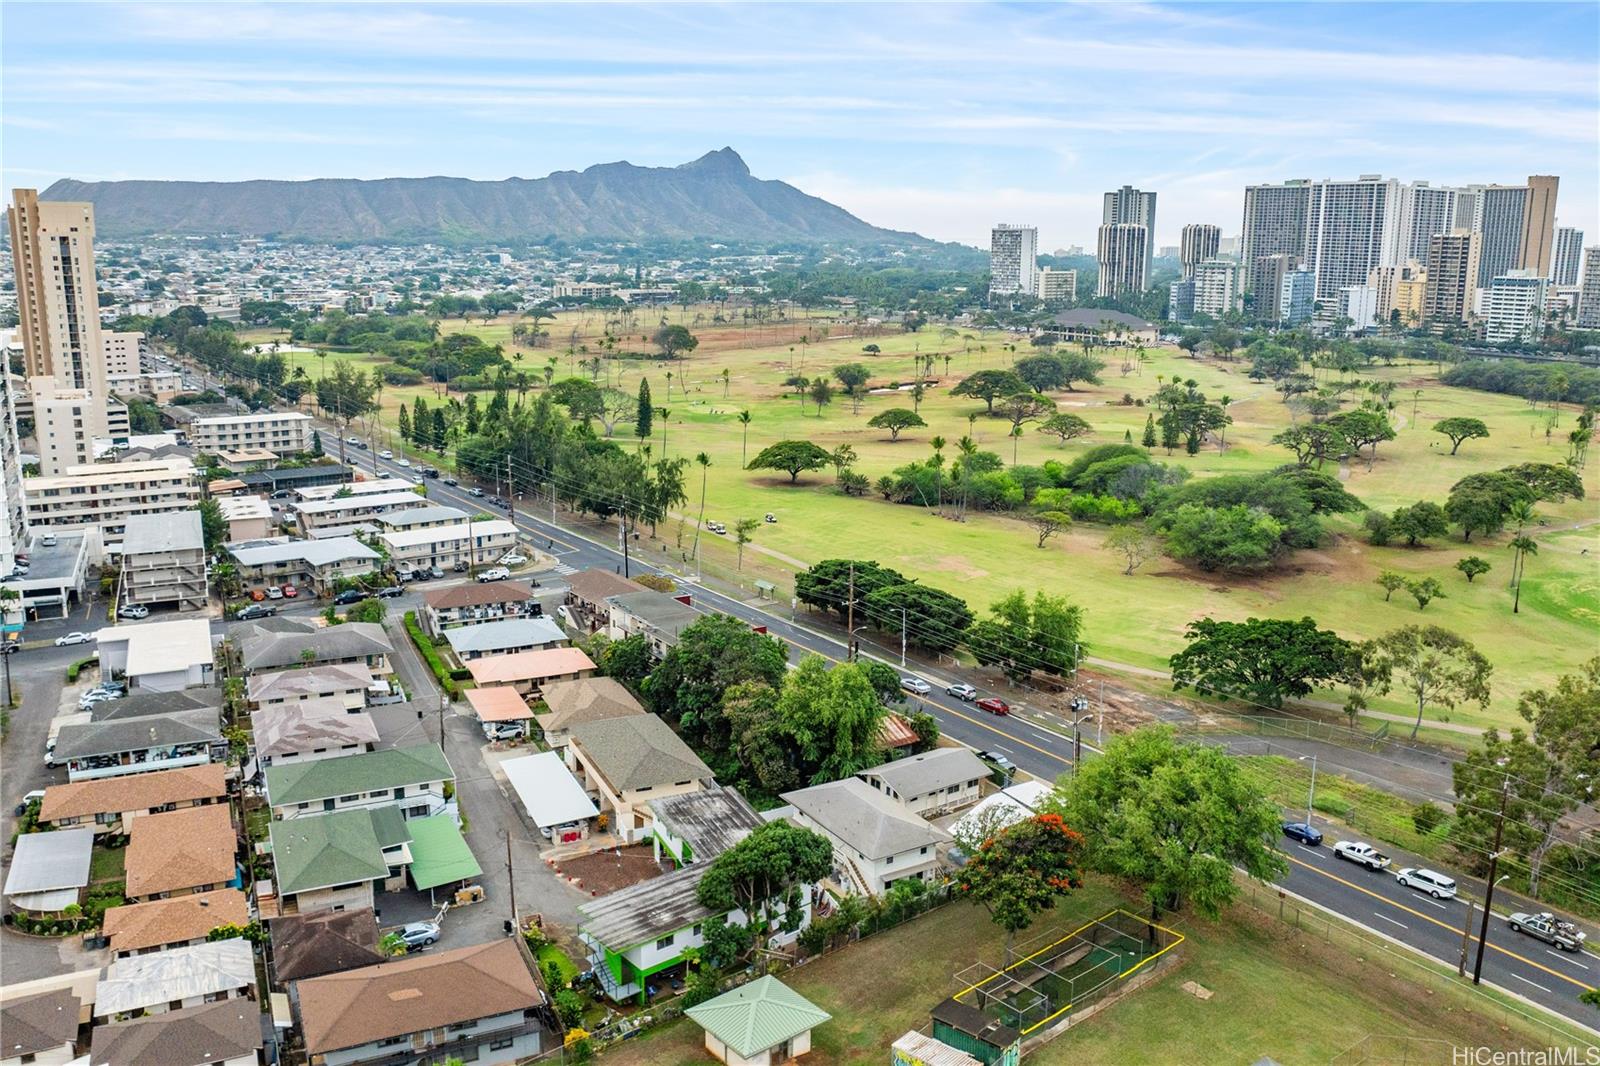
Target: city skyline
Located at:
point(1192, 102)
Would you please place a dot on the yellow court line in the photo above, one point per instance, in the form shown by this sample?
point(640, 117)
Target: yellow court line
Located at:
point(1435, 921)
point(1064, 937)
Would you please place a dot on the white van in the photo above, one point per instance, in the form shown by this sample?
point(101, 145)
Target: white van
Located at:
point(1434, 884)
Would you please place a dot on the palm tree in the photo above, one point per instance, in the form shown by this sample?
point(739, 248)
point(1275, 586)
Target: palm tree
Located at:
point(968, 448)
point(1523, 546)
point(744, 445)
point(663, 412)
point(703, 461)
point(1016, 436)
point(938, 472)
point(725, 375)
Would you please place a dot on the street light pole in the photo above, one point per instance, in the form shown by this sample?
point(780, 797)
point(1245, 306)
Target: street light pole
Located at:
point(902, 638)
point(1490, 882)
point(1311, 797)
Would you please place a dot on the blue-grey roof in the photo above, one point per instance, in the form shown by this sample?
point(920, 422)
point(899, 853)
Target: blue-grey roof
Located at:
point(507, 633)
point(311, 552)
point(46, 862)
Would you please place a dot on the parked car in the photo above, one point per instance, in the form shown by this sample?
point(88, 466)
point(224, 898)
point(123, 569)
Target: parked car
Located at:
point(133, 610)
point(387, 454)
point(1361, 853)
point(494, 573)
point(389, 592)
point(282, 494)
point(476, 492)
point(91, 698)
point(47, 541)
point(503, 730)
point(10, 647)
point(349, 596)
point(1304, 832)
point(998, 759)
point(717, 527)
point(419, 935)
point(962, 691)
point(273, 592)
point(252, 611)
point(73, 638)
point(1547, 927)
point(36, 796)
point(916, 685)
point(994, 705)
point(435, 572)
point(513, 559)
point(290, 591)
point(1432, 882)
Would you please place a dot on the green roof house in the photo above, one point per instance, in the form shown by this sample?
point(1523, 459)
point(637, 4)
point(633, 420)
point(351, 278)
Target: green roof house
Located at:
point(763, 1023)
point(334, 861)
point(411, 780)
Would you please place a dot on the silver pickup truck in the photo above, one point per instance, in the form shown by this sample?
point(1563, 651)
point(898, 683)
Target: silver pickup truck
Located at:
point(1547, 927)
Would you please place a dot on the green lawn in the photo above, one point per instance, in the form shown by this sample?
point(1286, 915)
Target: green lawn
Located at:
point(106, 864)
point(1274, 994)
point(1137, 620)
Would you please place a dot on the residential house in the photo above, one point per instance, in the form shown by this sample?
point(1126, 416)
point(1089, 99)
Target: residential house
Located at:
point(159, 656)
point(475, 602)
point(334, 862)
point(41, 1029)
point(762, 1023)
point(321, 728)
point(876, 840)
point(160, 924)
point(215, 1034)
point(314, 564)
point(310, 945)
point(530, 671)
point(49, 871)
point(110, 805)
point(699, 826)
point(587, 592)
point(440, 856)
point(117, 746)
point(929, 784)
point(479, 1004)
point(181, 852)
point(1006, 807)
point(173, 980)
point(645, 929)
point(499, 705)
point(348, 683)
point(465, 544)
point(553, 798)
point(588, 699)
point(361, 486)
point(504, 638)
point(655, 616)
point(248, 517)
point(302, 642)
point(164, 560)
point(345, 510)
point(412, 779)
point(627, 762)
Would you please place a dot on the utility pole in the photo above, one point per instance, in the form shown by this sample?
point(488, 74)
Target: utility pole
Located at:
point(1488, 888)
point(511, 876)
point(902, 638)
point(622, 532)
point(1079, 705)
point(1466, 940)
point(850, 617)
point(511, 493)
point(444, 700)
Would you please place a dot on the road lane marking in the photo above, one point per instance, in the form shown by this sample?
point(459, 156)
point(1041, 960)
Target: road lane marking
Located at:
point(1302, 847)
point(1386, 918)
point(1435, 921)
point(1434, 902)
point(1566, 958)
point(1535, 984)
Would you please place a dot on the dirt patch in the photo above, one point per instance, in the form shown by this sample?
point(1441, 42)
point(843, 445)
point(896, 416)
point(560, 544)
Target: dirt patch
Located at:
point(600, 873)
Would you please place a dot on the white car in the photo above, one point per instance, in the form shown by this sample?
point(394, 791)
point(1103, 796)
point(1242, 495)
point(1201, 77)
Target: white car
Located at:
point(419, 935)
point(134, 610)
point(73, 638)
point(1435, 884)
point(386, 454)
point(916, 684)
point(274, 592)
point(513, 559)
point(403, 462)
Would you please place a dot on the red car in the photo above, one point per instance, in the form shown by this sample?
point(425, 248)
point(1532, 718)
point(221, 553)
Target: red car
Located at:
point(290, 591)
point(994, 705)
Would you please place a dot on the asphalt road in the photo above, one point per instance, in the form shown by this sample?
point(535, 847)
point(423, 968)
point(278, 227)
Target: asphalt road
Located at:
point(1514, 963)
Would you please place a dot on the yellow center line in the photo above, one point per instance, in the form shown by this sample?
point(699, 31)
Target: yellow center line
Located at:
point(1435, 921)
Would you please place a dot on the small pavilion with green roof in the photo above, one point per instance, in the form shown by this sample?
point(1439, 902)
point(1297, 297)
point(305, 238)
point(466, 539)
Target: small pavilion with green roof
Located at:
point(763, 1023)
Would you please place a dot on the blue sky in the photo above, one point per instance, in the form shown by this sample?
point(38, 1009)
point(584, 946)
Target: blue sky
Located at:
point(929, 117)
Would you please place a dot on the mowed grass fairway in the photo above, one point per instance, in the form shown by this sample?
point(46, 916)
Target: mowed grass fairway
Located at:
point(1139, 619)
point(1274, 994)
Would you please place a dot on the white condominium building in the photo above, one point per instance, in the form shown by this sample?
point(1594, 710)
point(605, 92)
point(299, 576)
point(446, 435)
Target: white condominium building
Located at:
point(282, 432)
point(1200, 242)
point(1512, 307)
point(1013, 260)
point(1217, 287)
point(1123, 252)
point(1274, 226)
point(103, 496)
point(1351, 227)
point(1133, 207)
point(1567, 262)
point(1057, 286)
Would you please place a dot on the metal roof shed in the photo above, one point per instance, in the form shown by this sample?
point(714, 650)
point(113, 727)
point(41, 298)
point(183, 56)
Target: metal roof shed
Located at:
point(764, 1021)
point(48, 870)
point(549, 792)
point(439, 854)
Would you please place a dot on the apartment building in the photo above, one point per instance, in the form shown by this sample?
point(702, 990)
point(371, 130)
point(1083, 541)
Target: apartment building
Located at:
point(13, 503)
point(1218, 288)
point(1358, 305)
point(1512, 307)
point(1424, 210)
point(280, 432)
point(1567, 260)
point(103, 497)
point(123, 353)
point(1400, 292)
point(326, 488)
point(1498, 217)
point(1274, 225)
point(316, 564)
point(1200, 242)
point(1297, 297)
point(1589, 294)
point(411, 779)
point(1351, 227)
point(1128, 206)
point(1538, 239)
point(66, 423)
point(164, 561)
point(1013, 260)
point(1123, 253)
point(472, 543)
point(1057, 286)
point(1453, 267)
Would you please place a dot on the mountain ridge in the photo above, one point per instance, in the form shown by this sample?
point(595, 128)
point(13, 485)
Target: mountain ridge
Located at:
point(712, 197)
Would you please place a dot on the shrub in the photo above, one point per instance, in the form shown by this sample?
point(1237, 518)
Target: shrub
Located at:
point(1427, 817)
point(430, 655)
point(702, 985)
point(1332, 803)
point(78, 667)
point(569, 1005)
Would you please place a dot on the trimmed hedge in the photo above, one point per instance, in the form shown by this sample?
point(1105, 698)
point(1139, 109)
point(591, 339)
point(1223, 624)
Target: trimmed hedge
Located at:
point(430, 655)
point(78, 667)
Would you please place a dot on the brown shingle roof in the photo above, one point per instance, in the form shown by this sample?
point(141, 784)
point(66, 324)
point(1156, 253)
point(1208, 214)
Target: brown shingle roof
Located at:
point(593, 586)
point(194, 1036)
point(409, 995)
point(588, 699)
point(133, 792)
point(174, 921)
point(310, 945)
point(39, 1023)
point(180, 849)
point(478, 593)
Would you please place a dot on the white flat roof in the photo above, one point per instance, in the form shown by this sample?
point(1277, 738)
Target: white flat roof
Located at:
point(255, 416)
point(345, 503)
point(237, 507)
point(49, 862)
point(410, 538)
point(549, 792)
point(354, 488)
point(162, 647)
point(313, 552)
